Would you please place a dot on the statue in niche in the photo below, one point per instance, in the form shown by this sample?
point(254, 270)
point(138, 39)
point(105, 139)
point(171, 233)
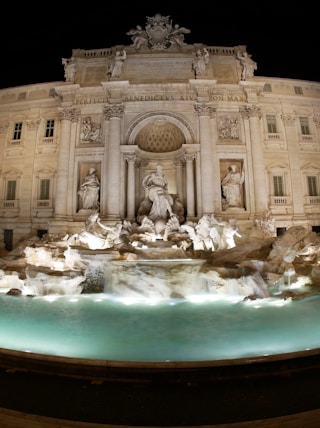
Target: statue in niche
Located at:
point(90, 131)
point(115, 67)
point(157, 186)
point(200, 62)
point(248, 65)
point(89, 191)
point(69, 69)
point(232, 188)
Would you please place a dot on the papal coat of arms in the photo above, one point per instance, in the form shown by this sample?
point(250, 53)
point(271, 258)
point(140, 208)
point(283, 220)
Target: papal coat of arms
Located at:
point(159, 34)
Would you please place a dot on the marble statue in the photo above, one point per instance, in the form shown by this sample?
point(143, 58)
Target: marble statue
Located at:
point(99, 236)
point(69, 69)
point(89, 191)
point(176, 36)
point(232, 188)
point(157, 186)
point(200, 62)
point(115, 67)
point(248, 65)
point(139, 37)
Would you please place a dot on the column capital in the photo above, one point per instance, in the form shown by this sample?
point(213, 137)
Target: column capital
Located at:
point(71, 114)
point(205, 109)
point(251, 111)
point(113, 111)
point(130, 157)
point(189, 157)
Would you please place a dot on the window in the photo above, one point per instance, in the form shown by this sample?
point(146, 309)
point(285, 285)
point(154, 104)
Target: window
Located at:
point(298, 90)
point(271, 124)
point(267, 87)
point(11, 190)
point(312, 185)
point(44, 189)
point(17, 131)
point(49, 128)
point(8, 239)
point(304, 124)
point(278, 185)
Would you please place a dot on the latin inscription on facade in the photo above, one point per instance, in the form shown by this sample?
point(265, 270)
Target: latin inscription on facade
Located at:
point(167, 68)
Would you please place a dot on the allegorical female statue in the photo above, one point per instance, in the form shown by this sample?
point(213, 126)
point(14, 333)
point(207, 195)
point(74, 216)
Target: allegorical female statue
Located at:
point(89, 191)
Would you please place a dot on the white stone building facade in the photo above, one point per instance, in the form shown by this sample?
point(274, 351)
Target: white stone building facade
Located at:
point(195, 109)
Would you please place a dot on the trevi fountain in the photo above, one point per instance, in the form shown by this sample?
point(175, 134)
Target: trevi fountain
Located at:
point(160, 302)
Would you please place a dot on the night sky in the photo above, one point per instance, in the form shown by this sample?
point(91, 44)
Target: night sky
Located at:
point(280, 38)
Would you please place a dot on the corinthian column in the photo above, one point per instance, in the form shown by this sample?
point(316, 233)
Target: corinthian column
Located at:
point(293, 154)
point(252, 114)
point(64, 187)
point(189, 158)
point(205, 111)
point(113, 113)
point(131, 187)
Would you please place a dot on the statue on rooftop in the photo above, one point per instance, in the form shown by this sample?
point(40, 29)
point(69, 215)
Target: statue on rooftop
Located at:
point(115, 66)
point(200, 62)
point(139, 37)
point(69, 69)
point(248, 65)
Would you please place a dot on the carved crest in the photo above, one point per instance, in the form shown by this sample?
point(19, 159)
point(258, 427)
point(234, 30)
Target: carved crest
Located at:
point(159, 34)
point(158, 28)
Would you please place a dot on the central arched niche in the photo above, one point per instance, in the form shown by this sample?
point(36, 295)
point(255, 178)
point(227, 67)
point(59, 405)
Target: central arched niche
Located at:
point(160, 136)
point(160, 140)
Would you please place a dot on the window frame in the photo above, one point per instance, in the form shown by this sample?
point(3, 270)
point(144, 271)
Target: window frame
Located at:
point(17, 131)
point(49, 128)
point(304, 125)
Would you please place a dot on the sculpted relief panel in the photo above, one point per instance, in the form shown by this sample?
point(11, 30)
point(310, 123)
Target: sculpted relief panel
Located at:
point(228, 127)
point(90, 131)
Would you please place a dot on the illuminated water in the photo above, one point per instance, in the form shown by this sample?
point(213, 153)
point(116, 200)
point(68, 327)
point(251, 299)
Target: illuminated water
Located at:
point(96, 326)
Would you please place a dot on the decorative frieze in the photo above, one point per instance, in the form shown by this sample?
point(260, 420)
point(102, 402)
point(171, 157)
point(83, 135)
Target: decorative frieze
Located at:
point(288, 119)
point(32, 124)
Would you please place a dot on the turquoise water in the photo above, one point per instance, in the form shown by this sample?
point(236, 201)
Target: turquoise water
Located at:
point(96, 326)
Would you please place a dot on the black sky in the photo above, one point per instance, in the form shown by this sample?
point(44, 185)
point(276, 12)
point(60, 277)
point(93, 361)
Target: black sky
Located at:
point(280, 38)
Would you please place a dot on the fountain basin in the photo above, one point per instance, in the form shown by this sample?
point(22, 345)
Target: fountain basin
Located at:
point(126, 330)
